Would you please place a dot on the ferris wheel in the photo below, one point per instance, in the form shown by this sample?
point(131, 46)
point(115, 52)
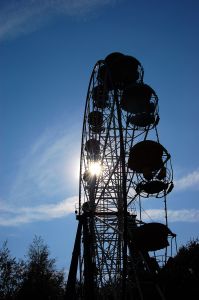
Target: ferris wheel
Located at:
point(121, 164)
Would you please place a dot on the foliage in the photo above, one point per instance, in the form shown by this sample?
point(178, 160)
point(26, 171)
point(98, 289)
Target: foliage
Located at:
point(180, 277)
point(41, 279)
point(37, 277)
point(11, 274)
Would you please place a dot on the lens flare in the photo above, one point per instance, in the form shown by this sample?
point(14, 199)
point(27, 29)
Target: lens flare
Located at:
point(95, 168)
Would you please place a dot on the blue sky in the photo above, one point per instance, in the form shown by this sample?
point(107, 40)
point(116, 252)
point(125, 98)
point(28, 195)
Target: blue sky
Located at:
point(47, 52)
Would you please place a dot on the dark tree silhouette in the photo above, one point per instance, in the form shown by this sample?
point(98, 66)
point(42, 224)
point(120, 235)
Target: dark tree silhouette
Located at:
point(41, 279)
point(180, 277)
point(11, 274)
point(37, 277)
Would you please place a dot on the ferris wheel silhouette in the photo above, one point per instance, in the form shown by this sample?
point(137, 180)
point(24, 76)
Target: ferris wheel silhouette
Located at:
point(118, 249)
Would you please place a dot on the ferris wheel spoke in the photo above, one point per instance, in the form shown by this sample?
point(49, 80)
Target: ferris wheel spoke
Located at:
point(115, 229)
point(107, 182)
point(105, 253)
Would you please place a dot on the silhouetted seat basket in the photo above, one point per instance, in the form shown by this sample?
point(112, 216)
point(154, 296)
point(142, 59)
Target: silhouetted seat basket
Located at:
point(151, 236)
point(142, 120)
point(86, 206)
point(152, 187)
point(136, 100)
point(146, 157)
point(86, 176)
point(120, 71)
point(100, 96)
point(95, 119)
point(162, 174)
point(92, 146)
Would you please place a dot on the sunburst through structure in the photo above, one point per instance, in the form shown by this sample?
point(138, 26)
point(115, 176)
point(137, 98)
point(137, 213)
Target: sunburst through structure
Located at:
point(119, 250)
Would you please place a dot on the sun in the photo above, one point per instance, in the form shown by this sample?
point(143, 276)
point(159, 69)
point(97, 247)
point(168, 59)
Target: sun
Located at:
point(95, 168)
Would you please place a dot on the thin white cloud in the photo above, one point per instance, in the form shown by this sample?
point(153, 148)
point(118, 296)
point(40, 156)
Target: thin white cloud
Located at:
point(14, 216)
point(183, 215)
point(24, 16)
point(49, 170)
point(47, 173)
point(189, 181)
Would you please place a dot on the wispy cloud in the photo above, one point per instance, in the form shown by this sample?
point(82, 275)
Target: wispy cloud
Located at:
point(14, 216)
point(24, 16)
point(183, 215)
point(49, 170)
point(188, 181)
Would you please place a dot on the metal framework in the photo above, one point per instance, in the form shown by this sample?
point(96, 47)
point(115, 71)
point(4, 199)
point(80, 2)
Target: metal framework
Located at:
point(110, 259)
